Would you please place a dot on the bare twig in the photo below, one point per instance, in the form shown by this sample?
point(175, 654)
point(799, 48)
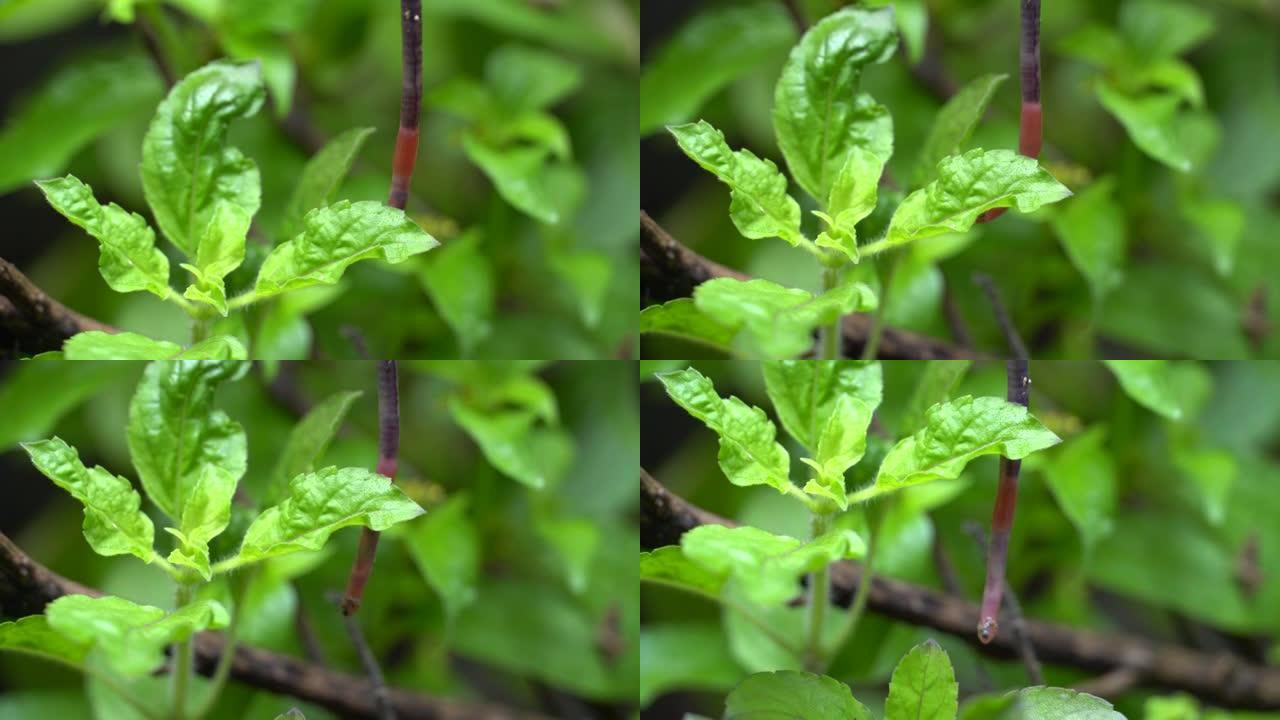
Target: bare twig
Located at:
point(406, 152)
point(33, 322)
point(369, 661)
point(797, 15)
point(388, 450)
point(1221, 678)
point(1017, 348)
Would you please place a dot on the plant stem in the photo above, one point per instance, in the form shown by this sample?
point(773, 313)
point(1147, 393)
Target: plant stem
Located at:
point(388, 450)
point(819, 598)
point(832, 334)
point(184, 655)
point(872, 346)
point(200, 329)
point(859, 605)
point(1019, 391)
point(223, 670)
point(406, 152)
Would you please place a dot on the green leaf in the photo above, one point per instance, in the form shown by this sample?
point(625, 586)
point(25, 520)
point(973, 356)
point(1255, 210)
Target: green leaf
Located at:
point(1175, 707)
point(1098, 45)
point(588, 275)
point(778, 695)
point(320, 503)
point(766, 567)
point(445, 546)
point(1220, 225)
point(128, 257)
point(98, 345)
point(781, 320)
point(574, 540)
point(220, 251)
point(75, 105)
point(518, 173)
point(205, 515)
point(968, 185)
point(1163, 28)
point(818, 114)
point(749, 454)
point(284, 333)
point(957, 432)
point(1048, 703)
point(671, 567)
point(175, 433)
point(954, 124)
point(804, 392)
point(923, 686)
point(219, 347)
point(1170, 74)
point(131, 637)
point(187, 166)
point(308, 441)
point(36, 395)
point(759, 204)
point(681, 318)
point(526, 78)
point(1149, 384)
point(337, 236)
point(936, 383)
point(32, 635)
point(114, 524)
point(708, 53)
point(512, 443)
point(1082, 478)
point(1091, 228)
point(460, 280)
point(853, 197)
point(841, 445)
point(1149, 119)
point(321, 177)
point(1214, 473)
point(684, 656)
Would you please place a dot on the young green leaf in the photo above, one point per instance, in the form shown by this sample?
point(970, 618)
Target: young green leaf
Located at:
point(131, 637)
point(671, 567)
point(1150, 122)
point(853, 197)
point(175, 433)
point(1091, 227)
point(759, 204)
point(187, 167)
point(805, 392)
point(749, 454)
point(766, 567)
point(220, 251)
point(968, 185)
point(923, 686)
point(320, 503)
point(32, 635)
point(337, 236)
point(321, 177)
point(954, 124)
point(1149, 383)
point(681, 318)
point(205, 515)
point(98, 345)
point(446, 548)
point(781, 320)
point(818, 114)
point(780, 694)
point(459, 277)
point(307, 442)
point(128, 257)
point(840, 446)
point(114, 524)
point(957, 432)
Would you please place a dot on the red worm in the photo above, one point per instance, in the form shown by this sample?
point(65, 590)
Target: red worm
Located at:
point(388, 450)
point(1030, 127)
point(1019, 391)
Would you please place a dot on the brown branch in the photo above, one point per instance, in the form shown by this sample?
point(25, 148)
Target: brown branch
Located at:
point(669, 270)
point(26, 587)
point(1219, 678)
point(31, 321)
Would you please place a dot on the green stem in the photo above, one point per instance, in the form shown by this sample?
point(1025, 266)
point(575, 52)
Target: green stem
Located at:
point(200, 329)
point(184, 654)
point(859, 605)
point(872, 346)
point(819, 598)
point(243, 300)
point(223, 671)
point(831, 335)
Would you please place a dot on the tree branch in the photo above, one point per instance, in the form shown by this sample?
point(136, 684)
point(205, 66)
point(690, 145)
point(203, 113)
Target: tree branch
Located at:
point(669, 270)
point(26, 587)
point(30, 320)
point(1219, 678)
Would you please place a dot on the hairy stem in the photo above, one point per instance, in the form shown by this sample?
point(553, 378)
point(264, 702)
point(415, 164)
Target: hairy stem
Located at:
point(406, 152)
point(859, 604)
point(388, 450)
point(819, 598)
point(1019, 391)
point(184, 656)
point(831, 336)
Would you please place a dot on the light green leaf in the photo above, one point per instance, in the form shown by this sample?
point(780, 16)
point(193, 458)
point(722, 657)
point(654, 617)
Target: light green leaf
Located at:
point(284, 333)
point(540, 129)
point(681, 318)
point(205, 515)
point(98, 345)
point(1098, 45)
point(1214, 473)
point(841, 445)
point(717, 46)
point(526, 78)
point(588, 274)
point(671, 567)
point(512, 443)
point(1219, 224)
point(114, 524)
point(804, 392)
point(853, 197)
point(1091, 228)
point(1048, 703)
point(308, 441)
point(954, 124)
point(1148, 383)
point(220, 251)
point(749, 454)
point(684, 656)
point(1149, 120)
point(75, 105)
point(337, 236)
point(321, 177)
point(320, 503)
point(1170, 74)
point(957, 432)
point(923, 686)
point(766, 567)
point(130, 636)
point(128, 257)
point(518, 173)
point(759, 204)
point(1174, 707)
point(781, 320)
point(1082, 477)
point(32, 635)
point(219, 347)
point(777, 695)
point(968, 185)
point(939, 379)
point(1163, 28)
point(818, 114)
point(574, 540)
point(446, 548)
point(187, 166)
point(461, 283)
point(175, 432)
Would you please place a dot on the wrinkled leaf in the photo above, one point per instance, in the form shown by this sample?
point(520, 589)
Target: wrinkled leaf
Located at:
point(205, 515)
point(321, 177)
point(308, 441)
point(841, 444)
point(131, 637)
point(954, 124)
point(804, 392)
point(766, 567)
point(853, 197)
point(98, 345)
point(221, 250)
